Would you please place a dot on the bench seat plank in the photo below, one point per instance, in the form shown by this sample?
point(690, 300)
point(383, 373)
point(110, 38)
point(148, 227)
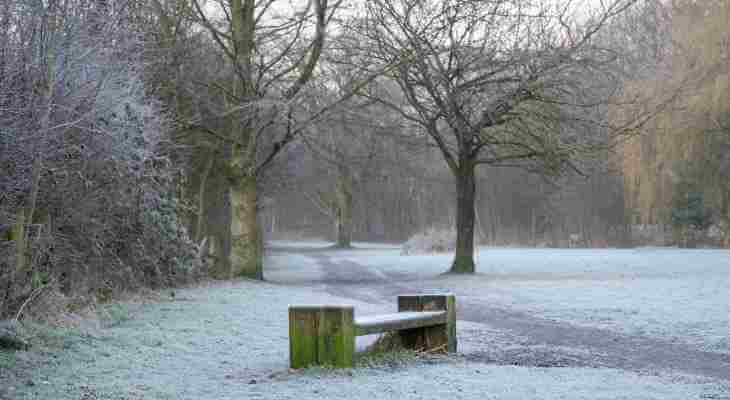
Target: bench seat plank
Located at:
point(398, 321)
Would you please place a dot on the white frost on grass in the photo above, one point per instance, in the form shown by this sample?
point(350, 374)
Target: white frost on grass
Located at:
point(678, 294)
point(193, 347)
point(230, 341)
point(479, 381)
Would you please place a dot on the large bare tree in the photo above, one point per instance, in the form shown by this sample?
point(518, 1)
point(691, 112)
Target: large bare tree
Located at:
point(499, 83)
point(272, 49)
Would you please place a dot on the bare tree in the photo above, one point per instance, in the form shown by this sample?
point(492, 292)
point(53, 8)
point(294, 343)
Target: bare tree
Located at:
point(500, 83)
point(342, 143)
point(344, 147)
point(272, 50)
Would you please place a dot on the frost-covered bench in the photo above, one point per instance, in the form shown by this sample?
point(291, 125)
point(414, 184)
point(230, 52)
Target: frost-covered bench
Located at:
point(325, 334)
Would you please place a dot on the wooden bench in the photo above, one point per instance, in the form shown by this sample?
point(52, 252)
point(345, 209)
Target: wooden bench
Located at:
point(325, 334)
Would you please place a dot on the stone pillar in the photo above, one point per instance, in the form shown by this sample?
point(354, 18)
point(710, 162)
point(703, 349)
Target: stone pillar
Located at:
point(433, 337)
point(321, 335)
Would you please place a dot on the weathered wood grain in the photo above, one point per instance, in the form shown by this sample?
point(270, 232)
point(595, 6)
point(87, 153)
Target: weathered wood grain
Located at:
point(431, 337)
point(325, 334)
point(321, 335)
point(398, 321)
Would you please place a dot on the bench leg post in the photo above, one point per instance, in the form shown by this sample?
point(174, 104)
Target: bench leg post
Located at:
point(321, 335)
point(433, 337)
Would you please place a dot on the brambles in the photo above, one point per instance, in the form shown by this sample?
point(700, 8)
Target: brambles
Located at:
point(433, 240)
point(88, 185)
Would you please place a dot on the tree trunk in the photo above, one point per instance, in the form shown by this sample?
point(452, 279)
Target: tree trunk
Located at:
point(246, 253)
point(480, 225)
point(465, 216)
point(343, 229)
point(246, 257)
point(343, 212)
point(200, 220)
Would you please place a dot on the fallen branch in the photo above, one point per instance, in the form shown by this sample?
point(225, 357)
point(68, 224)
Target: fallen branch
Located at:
point(35, 293)
point(436, 349)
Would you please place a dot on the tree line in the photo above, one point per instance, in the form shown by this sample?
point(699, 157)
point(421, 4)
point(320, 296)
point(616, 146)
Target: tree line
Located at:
point(145, 143)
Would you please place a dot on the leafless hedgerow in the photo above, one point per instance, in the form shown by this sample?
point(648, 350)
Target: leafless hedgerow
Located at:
point(86, 203)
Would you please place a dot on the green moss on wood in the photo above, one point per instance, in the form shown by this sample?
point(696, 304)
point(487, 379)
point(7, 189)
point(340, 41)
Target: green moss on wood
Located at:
point(336, 337)
point(302, 338)
point(321, 336)
point(451, 323)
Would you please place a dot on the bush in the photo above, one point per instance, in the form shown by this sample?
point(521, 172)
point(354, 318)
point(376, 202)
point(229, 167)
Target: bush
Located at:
point(433, 240)
point(689, 216)
point(688, 210)
point(88, 158)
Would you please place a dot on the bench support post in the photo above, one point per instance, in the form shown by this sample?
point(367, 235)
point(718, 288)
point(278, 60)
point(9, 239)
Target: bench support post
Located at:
point(432, 337)
point(321, 335)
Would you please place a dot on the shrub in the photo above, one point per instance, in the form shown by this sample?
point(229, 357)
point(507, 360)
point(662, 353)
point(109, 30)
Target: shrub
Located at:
point(88, 158)
point(433, 240)
point(689, 216)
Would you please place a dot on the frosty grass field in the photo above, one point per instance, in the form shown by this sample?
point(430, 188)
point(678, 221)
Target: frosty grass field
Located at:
point(680, 294)
point(229, 340)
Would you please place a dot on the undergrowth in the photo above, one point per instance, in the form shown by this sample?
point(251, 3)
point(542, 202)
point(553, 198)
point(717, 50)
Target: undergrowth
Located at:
point(387, 351)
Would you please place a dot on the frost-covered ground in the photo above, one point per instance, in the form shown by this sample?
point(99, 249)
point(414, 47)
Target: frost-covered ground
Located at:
point(677, 294)
point(229, 340)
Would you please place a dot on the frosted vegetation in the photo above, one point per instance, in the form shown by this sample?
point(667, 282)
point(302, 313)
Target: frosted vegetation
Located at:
point(431, 240)
point(230, 340)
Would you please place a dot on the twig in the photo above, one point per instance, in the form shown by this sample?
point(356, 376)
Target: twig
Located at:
point(30, 298)
point(436, 349)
